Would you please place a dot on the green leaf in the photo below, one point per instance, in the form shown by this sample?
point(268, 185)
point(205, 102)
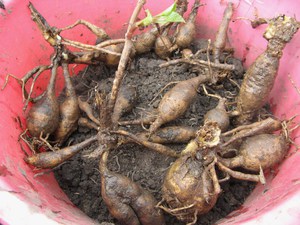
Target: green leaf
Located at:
point(167, 16)
point(173, 17)
point(146, 21)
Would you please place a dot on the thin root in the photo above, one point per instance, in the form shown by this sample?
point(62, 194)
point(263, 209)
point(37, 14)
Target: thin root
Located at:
point(242, 176)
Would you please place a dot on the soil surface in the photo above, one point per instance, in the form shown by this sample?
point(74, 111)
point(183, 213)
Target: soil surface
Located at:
point(79, 177)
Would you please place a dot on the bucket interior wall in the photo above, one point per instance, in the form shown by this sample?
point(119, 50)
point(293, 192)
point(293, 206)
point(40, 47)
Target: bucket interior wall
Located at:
point(26, 199)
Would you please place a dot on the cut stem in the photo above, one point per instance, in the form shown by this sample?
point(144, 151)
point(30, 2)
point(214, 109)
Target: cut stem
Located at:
point(124, 59)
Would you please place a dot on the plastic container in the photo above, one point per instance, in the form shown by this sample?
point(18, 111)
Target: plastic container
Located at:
point(29, 200)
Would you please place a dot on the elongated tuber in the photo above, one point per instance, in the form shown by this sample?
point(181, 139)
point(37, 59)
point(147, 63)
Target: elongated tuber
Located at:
point(46, 160)
point(221, 36)
point(127, 201)
point(43, 117)
point(187, 31)
point(125, 101)
point(260, 76)
point(68, 110)
point(177, 100)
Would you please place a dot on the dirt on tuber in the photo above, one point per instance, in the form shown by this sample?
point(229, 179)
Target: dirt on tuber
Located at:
point(260, 76)
point(260, 151)
point(189, 189)
point(52, 159)
point(177, 100)
point(144, 42)
point(43, 116)
point(219, 115)
point(221, 36)
point(68, 110)
point(170, 135)
point(163, 46)
point(187, 31)
point(125, 101)
point(126, 201)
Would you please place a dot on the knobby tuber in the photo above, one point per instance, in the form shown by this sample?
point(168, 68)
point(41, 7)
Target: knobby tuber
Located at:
point(68, 110)
point(260, 76)
point(145, 42)
point(52, 159)
point(127, 201)
point(221, 35)
point(191, 186)
point(43, 117)
point(189, 189)
point(125, 101)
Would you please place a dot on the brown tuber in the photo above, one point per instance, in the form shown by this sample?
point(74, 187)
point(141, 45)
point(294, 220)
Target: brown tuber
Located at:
point(43, 117)
point(52, 159)
point(125, 101)
point(109, 59)
point(127, 201)
point(163, 46)
point(170, 135)
point(260, 76)
point(187, 31)
point(148, 144)
point(219, 115)
point(177, 100)
point(189, 189)
point(144, 42)
point(221, 36)
point(68, 110)
point(191, 186)
point(259, 151)
point(87, 108)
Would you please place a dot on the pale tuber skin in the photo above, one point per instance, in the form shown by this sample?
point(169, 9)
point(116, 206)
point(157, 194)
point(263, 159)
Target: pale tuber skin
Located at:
point(219, 115)
point(260, 76)
point(177, 100)
point(259, 151)
point(163, 46)
point(52, 159)
point(187, 31)
point(68, 110)
point(221, 36)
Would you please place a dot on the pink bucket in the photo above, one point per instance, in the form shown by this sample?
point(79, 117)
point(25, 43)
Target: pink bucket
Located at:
point(40, 200)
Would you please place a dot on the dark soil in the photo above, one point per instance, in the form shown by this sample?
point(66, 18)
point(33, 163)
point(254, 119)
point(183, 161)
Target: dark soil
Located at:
point(79, 177)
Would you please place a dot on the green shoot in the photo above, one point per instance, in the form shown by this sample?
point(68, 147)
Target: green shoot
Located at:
point(168, 16)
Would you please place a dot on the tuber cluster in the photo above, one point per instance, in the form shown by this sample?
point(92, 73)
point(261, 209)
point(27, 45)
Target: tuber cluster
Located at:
point(191, 184)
